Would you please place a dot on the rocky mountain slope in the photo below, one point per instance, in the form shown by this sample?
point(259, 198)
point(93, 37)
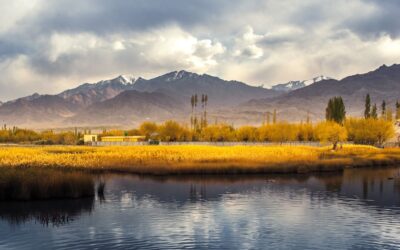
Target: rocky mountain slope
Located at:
point(382, 84)
point(124, 100)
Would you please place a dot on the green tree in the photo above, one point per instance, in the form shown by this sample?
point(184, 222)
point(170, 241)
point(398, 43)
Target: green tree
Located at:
point(336, 111)
point(383, 108)
point(374, 112)
point(367, 111)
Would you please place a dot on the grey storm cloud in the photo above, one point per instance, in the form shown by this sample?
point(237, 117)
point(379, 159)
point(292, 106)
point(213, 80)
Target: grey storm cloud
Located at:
point(384, 20)
point(52, 45)
point(102, 16)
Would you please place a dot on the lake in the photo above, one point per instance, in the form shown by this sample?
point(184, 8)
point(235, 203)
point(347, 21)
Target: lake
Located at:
point(355, 209)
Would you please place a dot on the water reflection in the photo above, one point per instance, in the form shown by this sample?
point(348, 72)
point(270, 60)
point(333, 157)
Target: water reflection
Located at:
point(378, 187)
point(358, 208)
point(46, 213)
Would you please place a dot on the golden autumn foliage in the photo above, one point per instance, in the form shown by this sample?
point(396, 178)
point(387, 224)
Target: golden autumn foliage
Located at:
point(361, 131)
point(218, 133)
point(247, 134)
point(331, 132)
point(369, 131)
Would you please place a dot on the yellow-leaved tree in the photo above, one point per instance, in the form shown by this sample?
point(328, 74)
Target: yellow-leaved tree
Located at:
point(331, 132)
point(247, 133)
point(218, 133)
point(148, 129)
point(369, 131)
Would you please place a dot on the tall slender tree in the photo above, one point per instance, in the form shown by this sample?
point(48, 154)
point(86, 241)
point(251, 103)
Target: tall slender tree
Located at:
point(374, 112)
point(195, 112)
point(383, 108)
point(205, 109)
point(274, 117)
point(192, 118)
point(367, 111)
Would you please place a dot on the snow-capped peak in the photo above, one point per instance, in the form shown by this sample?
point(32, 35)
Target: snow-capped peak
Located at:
point(179, 75)
point(316, 79)
point(293, 85)
point(125, 79)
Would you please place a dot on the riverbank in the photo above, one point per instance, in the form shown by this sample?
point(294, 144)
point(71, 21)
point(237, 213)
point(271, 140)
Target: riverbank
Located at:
point(169, 160)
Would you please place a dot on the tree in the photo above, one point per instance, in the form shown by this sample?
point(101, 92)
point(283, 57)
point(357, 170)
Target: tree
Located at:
point(246, 134)
point(374, 112)
point(148, 129)
point(171, 131)
point(191, 117)
point(274, 117)
point(218, 133)
point(383, 108)
point(332, 132)
point(367, 112)
point(305, 132)
point(278, 132)
point(369, 131)
point(336, 111)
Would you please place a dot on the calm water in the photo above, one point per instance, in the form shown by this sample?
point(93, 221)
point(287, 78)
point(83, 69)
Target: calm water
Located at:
point(357, 209)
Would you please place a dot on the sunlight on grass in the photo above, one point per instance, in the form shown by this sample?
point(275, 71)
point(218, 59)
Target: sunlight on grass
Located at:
point(198, 159)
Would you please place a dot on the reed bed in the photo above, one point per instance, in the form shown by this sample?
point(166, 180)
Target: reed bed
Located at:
point(43, 184)
point(159, 160)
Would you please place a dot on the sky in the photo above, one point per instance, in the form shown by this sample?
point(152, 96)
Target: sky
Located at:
point(48, 46)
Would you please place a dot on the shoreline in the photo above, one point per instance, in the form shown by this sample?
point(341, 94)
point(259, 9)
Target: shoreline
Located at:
point(199, 160)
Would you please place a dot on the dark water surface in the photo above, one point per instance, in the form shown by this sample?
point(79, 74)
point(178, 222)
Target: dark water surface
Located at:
point(356, 209)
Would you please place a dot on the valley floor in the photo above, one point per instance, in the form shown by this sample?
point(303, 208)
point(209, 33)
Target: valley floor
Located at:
point(164, 160)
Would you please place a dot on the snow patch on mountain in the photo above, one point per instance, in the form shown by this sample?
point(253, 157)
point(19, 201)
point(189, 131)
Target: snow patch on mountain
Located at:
point(177, 75)
point(293, 85)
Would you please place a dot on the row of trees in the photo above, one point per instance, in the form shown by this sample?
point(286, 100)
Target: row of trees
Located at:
point(366, 131)
point(48, 137)
point(386, 112)
point(372, 130)
point(195, 122)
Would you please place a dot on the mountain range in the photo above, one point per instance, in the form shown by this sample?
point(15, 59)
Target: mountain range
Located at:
point(128, 101)
point(382, 84)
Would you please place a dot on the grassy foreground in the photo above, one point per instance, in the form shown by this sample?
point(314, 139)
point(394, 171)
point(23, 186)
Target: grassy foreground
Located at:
point(198, 159)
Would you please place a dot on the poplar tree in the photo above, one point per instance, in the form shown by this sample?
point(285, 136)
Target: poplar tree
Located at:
point(367, 112)
point(383, 108)
point(374, 112)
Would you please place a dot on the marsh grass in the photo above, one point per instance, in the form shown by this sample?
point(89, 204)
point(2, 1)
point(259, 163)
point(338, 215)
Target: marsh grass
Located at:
point(164, 160)
point(41, 184)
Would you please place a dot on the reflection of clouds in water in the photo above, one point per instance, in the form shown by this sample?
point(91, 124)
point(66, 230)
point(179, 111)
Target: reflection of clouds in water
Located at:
point(246, 218)
point(302, 212)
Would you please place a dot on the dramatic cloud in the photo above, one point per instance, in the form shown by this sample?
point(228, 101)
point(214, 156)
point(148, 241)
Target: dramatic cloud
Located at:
point(47, 46)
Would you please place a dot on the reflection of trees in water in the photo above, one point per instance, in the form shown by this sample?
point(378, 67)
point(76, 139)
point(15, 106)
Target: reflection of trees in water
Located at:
point(200, 195)
point(55, 213)
point(377, 186)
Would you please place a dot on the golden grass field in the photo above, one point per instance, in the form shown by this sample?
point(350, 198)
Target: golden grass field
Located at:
point(198, 159)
